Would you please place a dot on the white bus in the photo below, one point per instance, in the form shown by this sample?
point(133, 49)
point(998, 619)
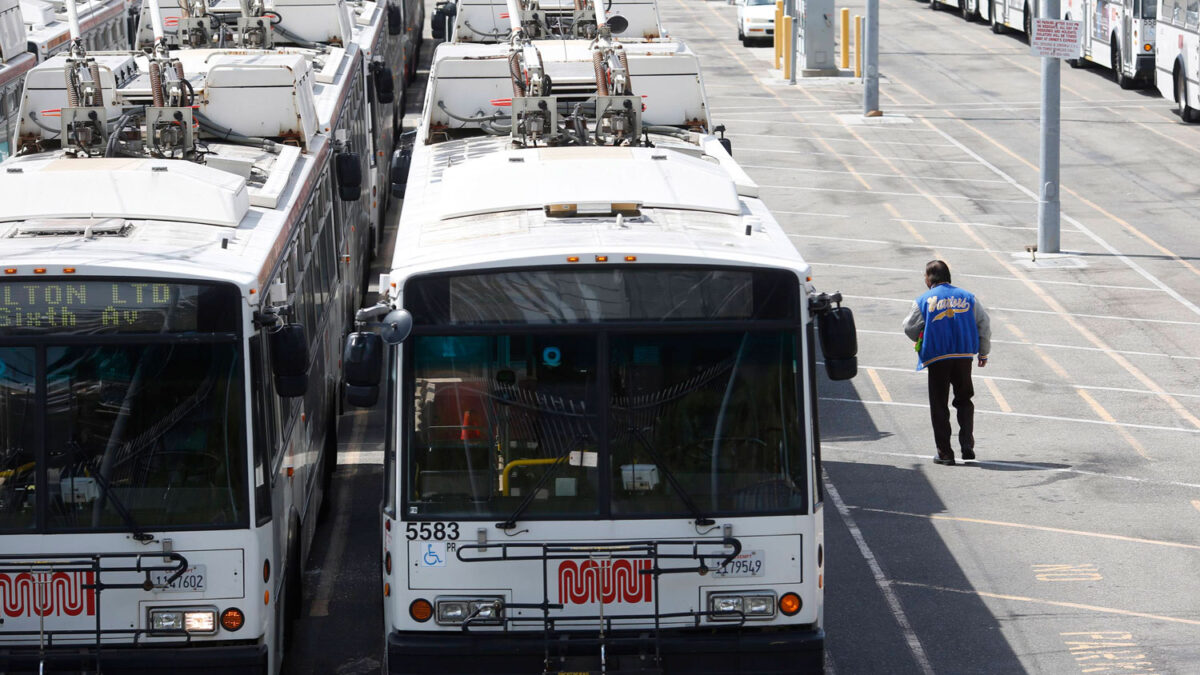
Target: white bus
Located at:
point(1014, 14)
point(325, 32)
point(602, 446)
point(487, 21)
point(15, 62)
point(177, 281)
point(1177, 59)
point(33, 30)
point(1117, 35)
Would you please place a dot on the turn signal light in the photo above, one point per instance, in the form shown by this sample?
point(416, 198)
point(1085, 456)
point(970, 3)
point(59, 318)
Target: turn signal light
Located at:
point(232, 619)
point(420, 610)
point(10, 270)
point(1148, 47)
point(68, 270)
point(572, 258)
point(789, 604)
point(39, 270)
point(631, 258)
point(601, 258)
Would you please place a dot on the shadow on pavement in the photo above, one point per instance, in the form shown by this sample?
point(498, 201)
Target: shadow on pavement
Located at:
point(957, 631)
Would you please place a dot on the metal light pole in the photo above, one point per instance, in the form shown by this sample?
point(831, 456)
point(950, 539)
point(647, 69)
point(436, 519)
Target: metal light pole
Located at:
point(1049, 207)
point(871, 61)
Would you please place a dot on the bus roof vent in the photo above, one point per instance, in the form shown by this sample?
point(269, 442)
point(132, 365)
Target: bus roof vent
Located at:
point(78, 227)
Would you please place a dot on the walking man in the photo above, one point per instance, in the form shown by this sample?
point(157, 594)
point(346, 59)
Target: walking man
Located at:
point(950, 326)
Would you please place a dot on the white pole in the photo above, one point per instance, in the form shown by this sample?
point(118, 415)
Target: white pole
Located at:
point(514, 15)
point(73, 19)
point(156, 21)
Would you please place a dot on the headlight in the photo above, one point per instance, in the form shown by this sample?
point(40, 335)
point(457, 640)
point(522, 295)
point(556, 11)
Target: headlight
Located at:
point(194, 621)
point(751, 606)
point(481, 611)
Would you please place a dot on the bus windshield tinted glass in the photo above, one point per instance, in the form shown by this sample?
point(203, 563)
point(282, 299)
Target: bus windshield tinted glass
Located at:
point(502, 422)
point(622, 293)
point(719, 412)
point(155, 429)
point(105, 430)
point(1149, 8)
point(501, 417)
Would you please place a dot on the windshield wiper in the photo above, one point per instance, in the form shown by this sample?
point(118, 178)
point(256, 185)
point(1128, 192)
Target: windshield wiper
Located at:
point(511, 521)
point(701, 519)
point(135, 531)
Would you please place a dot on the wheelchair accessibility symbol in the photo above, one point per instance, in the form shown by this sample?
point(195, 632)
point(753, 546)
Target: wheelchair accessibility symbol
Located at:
point(433, 554)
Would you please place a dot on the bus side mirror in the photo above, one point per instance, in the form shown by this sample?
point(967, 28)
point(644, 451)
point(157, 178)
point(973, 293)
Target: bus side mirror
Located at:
point(385, 87)
point(289, 360)
point(839, 342)
point(394, 20)
point(362, 360)
point(401, 161)
point(348, 172)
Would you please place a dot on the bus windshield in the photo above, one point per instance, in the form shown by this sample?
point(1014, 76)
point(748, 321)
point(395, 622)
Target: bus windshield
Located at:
point(117, 433)
point(614, 421)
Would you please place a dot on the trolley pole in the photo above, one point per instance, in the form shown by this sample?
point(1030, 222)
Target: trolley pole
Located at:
point(871, 62)
point(1049, 207)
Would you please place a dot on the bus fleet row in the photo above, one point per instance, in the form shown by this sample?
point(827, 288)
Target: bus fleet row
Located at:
point(1144, 42)
point(595, 348)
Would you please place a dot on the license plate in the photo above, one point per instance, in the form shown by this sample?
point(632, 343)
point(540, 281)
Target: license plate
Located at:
point(746, 564)
point(191, 581)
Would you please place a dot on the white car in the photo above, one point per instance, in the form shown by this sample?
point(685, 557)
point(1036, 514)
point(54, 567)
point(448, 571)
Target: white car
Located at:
point(755, 20)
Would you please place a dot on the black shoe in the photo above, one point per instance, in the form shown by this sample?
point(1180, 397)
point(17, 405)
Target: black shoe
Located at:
point(968, 454)
point(946, 461)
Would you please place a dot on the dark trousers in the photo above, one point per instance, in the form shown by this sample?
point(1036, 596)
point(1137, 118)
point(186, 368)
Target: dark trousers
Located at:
point(943, 375)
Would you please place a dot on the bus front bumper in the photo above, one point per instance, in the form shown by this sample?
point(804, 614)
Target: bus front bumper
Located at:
point(711, 652)
point(249, 659)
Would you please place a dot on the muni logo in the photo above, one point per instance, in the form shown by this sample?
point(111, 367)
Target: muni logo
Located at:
point(29, 594)
point(606, 581)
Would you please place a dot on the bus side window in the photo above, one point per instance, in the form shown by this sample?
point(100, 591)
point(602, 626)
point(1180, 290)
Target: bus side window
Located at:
point(1193, 14)
point(1177, 13)
point(263, 425)
point(273, 411)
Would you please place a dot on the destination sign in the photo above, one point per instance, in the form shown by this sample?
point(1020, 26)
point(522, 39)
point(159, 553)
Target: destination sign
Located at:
point(90, 307)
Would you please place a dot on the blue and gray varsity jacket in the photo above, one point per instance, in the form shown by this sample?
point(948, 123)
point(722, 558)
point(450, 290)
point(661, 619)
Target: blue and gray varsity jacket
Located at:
point(955, 324)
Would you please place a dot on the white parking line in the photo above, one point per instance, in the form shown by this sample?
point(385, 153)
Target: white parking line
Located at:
point(1020, 465)
point(834, 140)
point(909, 272)
point(818, 153)
point(1021, 380)
point(883, 193)
point(1108, 317)
point(881, 580)
point(893, 243)
point(873, 175)
point(1048, 418)
point(1122, 352)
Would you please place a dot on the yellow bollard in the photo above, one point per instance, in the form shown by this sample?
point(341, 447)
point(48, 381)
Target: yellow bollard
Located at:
point(778, 33)
point(858, 45)
point(787, 48)
point(845, 38)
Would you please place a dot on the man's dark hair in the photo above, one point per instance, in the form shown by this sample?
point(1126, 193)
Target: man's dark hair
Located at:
point(938, 272)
